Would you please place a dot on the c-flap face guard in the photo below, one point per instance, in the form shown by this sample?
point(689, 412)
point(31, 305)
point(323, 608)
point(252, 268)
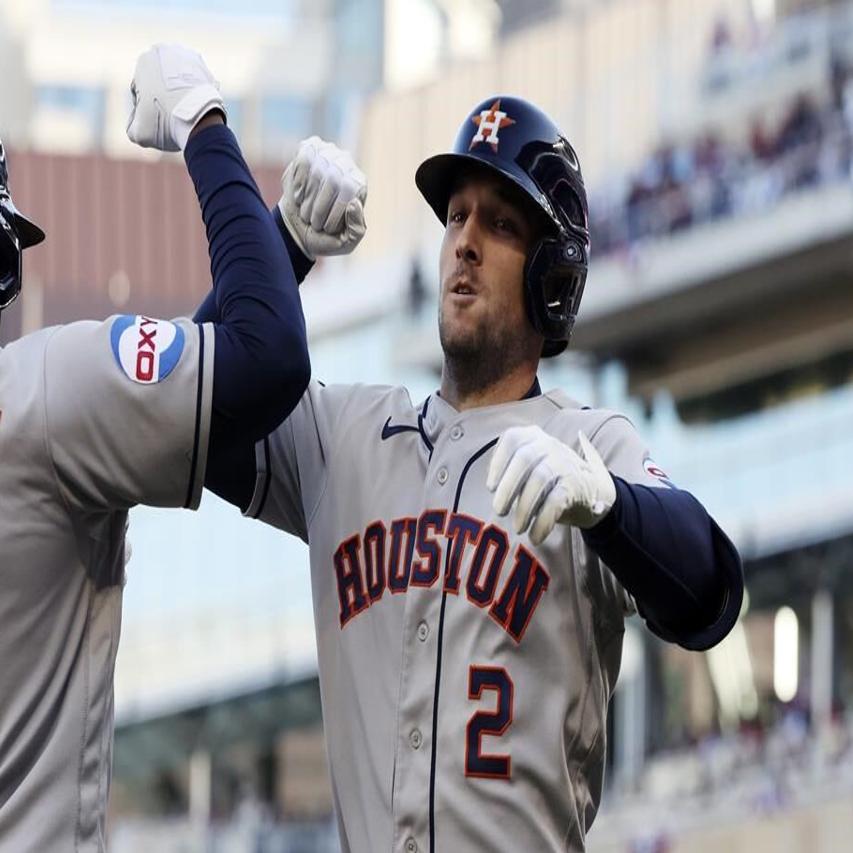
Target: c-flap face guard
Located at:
point(10, 255)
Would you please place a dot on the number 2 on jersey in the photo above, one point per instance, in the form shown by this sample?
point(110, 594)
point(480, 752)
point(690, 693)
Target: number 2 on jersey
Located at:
point(495, 723)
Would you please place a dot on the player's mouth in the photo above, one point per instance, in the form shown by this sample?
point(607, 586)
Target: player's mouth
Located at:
point(463, 290)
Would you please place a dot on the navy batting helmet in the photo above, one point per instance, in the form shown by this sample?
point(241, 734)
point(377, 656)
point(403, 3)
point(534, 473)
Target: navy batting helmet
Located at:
point(515, 139)
point(16, 234)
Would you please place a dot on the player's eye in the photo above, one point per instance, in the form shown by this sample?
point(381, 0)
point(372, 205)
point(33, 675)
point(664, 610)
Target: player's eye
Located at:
point(456, 215)
point(504, 223)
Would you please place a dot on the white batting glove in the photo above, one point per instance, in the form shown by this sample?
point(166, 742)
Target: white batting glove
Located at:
point(548, 482)
point(322, 200)
point(172, 91)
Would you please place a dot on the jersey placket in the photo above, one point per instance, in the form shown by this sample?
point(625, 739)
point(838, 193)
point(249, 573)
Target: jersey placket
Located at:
point(415, 783)
point(417, 674)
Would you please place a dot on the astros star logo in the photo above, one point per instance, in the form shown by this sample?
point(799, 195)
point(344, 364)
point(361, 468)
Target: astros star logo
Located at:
point(489, 123)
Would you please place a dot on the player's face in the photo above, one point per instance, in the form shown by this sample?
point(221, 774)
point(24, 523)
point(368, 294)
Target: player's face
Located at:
point(485, 246)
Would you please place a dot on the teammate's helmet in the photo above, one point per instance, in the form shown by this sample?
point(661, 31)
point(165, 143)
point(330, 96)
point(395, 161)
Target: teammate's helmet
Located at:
point(16, 234)
point(513, 138)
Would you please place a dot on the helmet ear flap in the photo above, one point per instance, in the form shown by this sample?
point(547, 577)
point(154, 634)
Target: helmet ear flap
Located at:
point(568, 203)
point(10, 262)
point(554, 279)
point(16, 234)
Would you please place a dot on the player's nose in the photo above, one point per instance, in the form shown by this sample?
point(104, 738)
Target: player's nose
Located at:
point(469, 241)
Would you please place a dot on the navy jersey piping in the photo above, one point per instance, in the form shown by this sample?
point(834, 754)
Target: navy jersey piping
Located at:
point(421, 429)
point(535, 390)
point(197, 432)
point(465, 470)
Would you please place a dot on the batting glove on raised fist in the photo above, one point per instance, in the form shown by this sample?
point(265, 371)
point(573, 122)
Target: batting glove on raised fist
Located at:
point(172, 91)
point(548, 482)
point(322, 200)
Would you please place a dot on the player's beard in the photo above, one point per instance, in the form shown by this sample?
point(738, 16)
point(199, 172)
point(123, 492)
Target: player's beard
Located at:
point(478, 358)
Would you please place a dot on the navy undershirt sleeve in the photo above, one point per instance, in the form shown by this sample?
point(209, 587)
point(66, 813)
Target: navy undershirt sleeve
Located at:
point(261, 365)
point(301, 263)
point(231, 466)
point(207, 311)
point(667, 551)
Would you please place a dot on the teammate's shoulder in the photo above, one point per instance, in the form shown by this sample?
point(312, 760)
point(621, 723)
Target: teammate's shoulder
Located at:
point(117, 324)
point(25, 346)
point(129, 340)
point(145, 349)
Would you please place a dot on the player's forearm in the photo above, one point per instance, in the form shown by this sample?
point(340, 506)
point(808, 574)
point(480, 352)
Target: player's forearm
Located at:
point(207, 312)
point(682, 570)
point(261, 358)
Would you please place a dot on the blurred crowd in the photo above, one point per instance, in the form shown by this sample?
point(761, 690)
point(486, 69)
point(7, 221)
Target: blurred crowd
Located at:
point(752, 772)
point(712, 177)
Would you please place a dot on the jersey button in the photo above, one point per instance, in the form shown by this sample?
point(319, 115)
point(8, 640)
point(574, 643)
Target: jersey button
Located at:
point(416, 738)
point(411, 845)
point(423, 631)
point(456, 433)
point(442, 476)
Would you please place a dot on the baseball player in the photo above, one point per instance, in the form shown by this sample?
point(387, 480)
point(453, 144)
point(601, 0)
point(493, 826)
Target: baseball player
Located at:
point(474, 554)
point(96, 417)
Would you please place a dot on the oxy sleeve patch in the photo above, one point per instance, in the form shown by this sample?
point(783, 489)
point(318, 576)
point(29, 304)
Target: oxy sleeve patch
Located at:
point(654, 470)
point(146, 350)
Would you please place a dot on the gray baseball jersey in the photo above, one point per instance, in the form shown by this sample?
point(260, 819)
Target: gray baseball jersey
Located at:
point(94, 418)
point(465, 673)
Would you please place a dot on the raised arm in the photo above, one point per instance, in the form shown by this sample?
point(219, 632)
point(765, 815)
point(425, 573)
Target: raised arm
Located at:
point(320, 213)
point(160, 394)
point(261, 365)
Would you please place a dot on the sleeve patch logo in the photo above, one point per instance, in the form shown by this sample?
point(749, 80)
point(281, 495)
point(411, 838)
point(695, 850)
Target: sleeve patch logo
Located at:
point(147, 350)
point(654, 470)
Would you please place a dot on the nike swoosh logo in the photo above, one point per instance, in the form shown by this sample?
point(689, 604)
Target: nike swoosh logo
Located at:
point(388, 430)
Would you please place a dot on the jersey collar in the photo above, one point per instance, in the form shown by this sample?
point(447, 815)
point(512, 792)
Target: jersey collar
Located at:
point(436, 412)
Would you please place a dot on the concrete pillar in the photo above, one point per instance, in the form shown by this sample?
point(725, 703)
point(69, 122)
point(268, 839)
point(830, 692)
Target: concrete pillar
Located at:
point(821, 658)
point(630, 710)
point(201, 784)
